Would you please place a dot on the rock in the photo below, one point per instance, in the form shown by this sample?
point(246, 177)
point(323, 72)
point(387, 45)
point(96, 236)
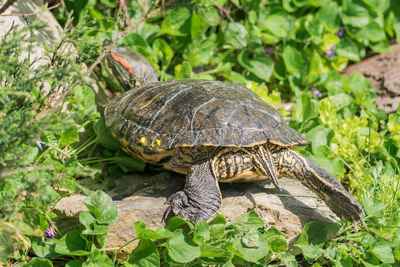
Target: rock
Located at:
point(383, 72)
point(50, 34)
point(142, 197)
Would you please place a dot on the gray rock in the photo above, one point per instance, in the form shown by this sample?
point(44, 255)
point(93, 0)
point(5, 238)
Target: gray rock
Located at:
point(142, 197)
point(383, 73)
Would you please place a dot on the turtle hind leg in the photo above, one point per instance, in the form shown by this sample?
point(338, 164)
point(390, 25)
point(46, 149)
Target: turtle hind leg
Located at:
point(293, 164)
point(201, 197)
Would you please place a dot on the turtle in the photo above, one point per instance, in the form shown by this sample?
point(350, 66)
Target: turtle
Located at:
point(213, 132)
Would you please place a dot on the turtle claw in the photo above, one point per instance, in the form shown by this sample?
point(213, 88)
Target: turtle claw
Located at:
point(176, 202)
point(276, 183)
point(181, 205)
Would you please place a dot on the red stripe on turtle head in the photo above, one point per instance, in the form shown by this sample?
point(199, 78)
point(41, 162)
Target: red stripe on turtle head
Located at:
point(124, 63)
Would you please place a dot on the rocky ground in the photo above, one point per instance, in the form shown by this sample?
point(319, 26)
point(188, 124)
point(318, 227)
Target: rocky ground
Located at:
point(142, 197)
point(383, 72)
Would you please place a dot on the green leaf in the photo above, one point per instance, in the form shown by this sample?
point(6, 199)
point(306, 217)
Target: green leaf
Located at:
point(98, 259)
point(163, 52)
point(276, 240)
point(381, 46)
point(135, 40)
point(45, 249)
point(211, 15)
point(280, 69)
point(212, 251)
point(102, 207)
point(103, 135)
point(85, 97)
point(374, 207)
point(320, 136)
point(247, 222)
point(109, 3)
point(250, 246)
point(288, 260)
point(259, 65)
point(312, 239)
point(383, 251)
point(313, 233)
point(333, 166)
point(217, 226)
point(396, 28)
point(375, 32)
point(143, 233)
point(330, 16)
point(277, 25)
point(37, 262)
point(74, 263)
point(348, 48)
point(306, 108)
point(315, 67)
point(128, 162)
point(200, 53)
point(341, 100)
point(363, 90)
point(69, 136)
point(292, 59)
point(91, 226)
point(198, 26)
point(177, 222)
point(379, 6)
point(73, 244)
point(183, 70)
point(144, 255)
point(201, 232)
point(181, 248)
point(176, 23)
point(355, 14)
point(228, 264)
point(236, 34)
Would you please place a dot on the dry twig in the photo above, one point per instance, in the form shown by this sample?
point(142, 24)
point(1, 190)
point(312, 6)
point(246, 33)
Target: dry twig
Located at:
point(7, 5)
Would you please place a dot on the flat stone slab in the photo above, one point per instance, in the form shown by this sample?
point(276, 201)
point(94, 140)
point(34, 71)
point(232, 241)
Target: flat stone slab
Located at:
point(142, 197)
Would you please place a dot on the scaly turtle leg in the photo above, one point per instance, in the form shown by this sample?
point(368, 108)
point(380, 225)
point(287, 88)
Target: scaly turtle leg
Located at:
point(292, 164)
point(264, 164)
point(201, 197)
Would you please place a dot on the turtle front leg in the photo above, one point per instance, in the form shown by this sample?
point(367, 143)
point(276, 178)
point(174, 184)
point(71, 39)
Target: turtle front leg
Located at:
point(264, 165)
point(201, 197)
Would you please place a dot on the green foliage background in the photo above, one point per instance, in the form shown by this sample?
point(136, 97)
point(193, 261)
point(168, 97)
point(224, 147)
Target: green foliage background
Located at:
point(285, 51)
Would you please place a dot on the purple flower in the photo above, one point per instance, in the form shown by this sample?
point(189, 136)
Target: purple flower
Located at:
point(268, 51)
point(40, 143)
point(50, 232)
point(36, 162)
point(340, 32)
point(331, 52)
point(317, 93)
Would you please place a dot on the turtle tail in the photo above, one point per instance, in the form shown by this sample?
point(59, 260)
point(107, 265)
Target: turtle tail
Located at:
point(295, 165)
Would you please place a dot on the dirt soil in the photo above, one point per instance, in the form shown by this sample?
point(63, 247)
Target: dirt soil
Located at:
point(384, 73)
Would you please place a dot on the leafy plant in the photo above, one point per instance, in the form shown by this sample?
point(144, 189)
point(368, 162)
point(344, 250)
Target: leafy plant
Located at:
point(284, 51)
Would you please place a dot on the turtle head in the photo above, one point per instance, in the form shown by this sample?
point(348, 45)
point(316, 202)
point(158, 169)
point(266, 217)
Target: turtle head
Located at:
point(127, 68)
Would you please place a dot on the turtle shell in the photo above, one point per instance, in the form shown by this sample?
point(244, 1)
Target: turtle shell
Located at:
point(187, 112)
